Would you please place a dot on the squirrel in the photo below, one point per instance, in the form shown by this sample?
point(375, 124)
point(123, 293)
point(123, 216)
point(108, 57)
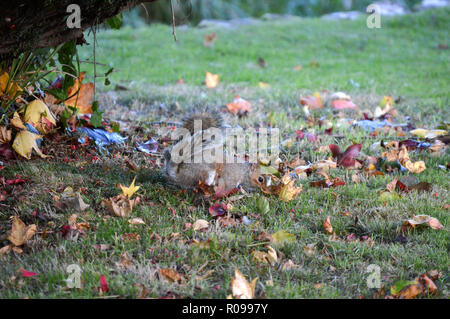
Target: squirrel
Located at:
point(185, 172)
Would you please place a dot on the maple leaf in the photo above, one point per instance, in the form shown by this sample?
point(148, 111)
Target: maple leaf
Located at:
point(327, 225)
point(289, 191)
point(241, 288)
point(347, 158)
point(129, 191)
point(20, 233)
point(314, 102)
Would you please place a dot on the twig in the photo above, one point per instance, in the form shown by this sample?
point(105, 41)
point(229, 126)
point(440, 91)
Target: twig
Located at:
point(173, 21)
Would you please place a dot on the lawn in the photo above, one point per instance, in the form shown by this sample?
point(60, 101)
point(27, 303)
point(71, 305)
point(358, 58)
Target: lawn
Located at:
point(406, 58)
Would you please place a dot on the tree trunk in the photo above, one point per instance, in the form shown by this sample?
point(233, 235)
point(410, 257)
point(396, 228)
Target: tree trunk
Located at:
point(31, 24)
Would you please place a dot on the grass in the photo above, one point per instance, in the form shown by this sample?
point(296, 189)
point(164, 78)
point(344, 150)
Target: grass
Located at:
point(400, 59)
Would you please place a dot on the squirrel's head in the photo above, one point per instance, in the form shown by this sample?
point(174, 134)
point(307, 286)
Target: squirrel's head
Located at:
point(260, 180)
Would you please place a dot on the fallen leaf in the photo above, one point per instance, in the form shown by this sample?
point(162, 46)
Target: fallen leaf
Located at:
point(39, 115)
point(5, 135)
point(327, 225)
point(71, 201)
point(343, 104)
point(27, 274)
point(209, 39)
point(406, 289)
point(428, 134)
point(239, 106)
point(269, 257)
point(171, 275)
point(423, 220)
point(212, 80)
point(347, 158)
point(25, 142)
point(20, 233)
point(241, 288)
point(129, 191)
point(314, 102)
point(16, 121)
point(200, 224)
point(289, 191)
point(103, 284)
point(80, 95)
point(310, 249)
point(125, 261)
point(121, 205)
point(136, 221)
point(282, 236)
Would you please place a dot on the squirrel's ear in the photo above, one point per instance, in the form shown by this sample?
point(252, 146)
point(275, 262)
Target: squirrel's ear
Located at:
point(166, 154)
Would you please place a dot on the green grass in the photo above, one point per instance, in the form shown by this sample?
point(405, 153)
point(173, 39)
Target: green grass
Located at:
point(401, 59)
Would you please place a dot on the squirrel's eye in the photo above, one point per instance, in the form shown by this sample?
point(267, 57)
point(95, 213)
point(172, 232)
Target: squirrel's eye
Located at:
point(260, 179)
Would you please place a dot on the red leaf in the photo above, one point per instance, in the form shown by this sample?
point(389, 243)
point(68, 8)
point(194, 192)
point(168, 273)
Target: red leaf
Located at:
point(346, 159)
point(218, 209)
point(6, 151)
point(335, 150)
point(103, 284)
point(343, 104)
point(300, 134)
point(27, 274)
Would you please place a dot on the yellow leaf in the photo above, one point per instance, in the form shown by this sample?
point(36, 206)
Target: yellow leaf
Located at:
point(121, 205)
point(38, 114)
point(263, 85)
point(289, 190)
point(241, 288)
point(25, 142)
point(129, 191)
point(282, 236)
point(17, 122)
point(12, 89)
point(429, 134)
point(20, 233)
point(212, 80)
point(269, 257)
point(5, 135)
point(423, 220)
point(403, 158)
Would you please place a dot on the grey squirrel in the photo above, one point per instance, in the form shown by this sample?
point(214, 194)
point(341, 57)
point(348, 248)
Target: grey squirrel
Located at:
point(186, 173)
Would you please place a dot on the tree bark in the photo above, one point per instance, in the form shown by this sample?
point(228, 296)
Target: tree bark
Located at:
point(31, 24)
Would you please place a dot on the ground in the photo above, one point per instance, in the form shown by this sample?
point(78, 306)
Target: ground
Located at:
point(406, 58)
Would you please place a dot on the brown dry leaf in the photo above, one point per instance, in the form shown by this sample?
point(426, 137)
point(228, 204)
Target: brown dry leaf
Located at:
point(136, 221)
point(269, 257)
point(314, 101)
point(390, 187)
point(327, 225)
point(77, 226)
point(209, 39)
point(212, 80)
point(241, 288)
point(20, 233)
point(16, 121)
point(239, 106)
point(125, 261)
point(424, 220)
point(121, 205)
point(289, 265)
point(5, 135)
point(171, 275)
point(200, 224)
point(80, 95)
point(5, 250)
